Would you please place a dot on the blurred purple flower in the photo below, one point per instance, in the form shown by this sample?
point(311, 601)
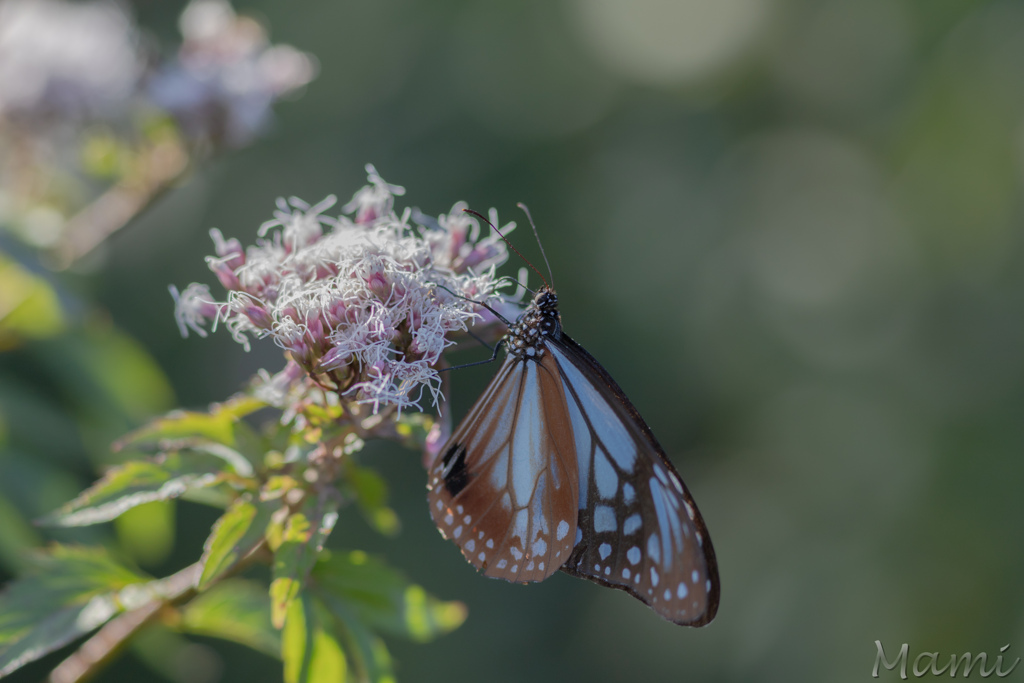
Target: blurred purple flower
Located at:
point(66, 60)
point(226, 76)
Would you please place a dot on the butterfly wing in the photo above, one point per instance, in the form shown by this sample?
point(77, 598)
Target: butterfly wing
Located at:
point(505, 486)
point(638, 528)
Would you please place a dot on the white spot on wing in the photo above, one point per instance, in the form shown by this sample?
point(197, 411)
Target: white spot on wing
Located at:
point(605, 550)
point(604, 518)
point(653, 548)
point(632, 524)
point(604, 475)
point(628, 494)
point(682, 590)
point(563, 529)
point(519, 527)
point(633, 555)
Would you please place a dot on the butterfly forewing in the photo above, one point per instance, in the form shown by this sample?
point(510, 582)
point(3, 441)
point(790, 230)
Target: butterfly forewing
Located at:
point(638, 529)
point(505, 485)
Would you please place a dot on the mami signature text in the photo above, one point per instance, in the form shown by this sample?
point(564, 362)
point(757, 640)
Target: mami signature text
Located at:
point(934, 664)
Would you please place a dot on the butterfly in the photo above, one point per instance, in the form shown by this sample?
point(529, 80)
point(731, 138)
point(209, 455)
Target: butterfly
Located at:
point(553, 468)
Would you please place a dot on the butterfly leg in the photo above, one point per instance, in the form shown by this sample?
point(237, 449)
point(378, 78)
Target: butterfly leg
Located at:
point(494, 356)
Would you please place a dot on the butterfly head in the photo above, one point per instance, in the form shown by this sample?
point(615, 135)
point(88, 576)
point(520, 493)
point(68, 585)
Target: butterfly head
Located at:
point(540, 320)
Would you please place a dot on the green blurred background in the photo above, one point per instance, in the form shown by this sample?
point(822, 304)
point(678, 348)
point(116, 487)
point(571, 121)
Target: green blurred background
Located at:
point(791, 230)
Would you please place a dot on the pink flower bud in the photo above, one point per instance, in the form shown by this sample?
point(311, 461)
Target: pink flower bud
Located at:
point(258, 316)
point(479, 254)
point(315, 331)
point(334, 314)
point(230, 251)
point(225, 275)
point(334, 358)
point(379, 285)
point(301, 353)
point(367, 213)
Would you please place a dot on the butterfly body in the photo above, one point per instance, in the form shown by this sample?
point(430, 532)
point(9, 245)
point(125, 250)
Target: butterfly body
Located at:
point(553, 468)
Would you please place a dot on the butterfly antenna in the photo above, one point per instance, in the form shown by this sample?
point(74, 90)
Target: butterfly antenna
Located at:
point(539, 243)
point(510, 246)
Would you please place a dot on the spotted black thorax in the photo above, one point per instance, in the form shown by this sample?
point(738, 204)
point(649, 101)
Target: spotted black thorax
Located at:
point(540, 319)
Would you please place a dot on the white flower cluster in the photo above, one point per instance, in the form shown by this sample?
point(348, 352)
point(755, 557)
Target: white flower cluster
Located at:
point(364, 304)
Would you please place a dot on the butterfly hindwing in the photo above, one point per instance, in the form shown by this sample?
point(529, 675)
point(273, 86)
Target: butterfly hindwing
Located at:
point(505, 486)
point(638, 528)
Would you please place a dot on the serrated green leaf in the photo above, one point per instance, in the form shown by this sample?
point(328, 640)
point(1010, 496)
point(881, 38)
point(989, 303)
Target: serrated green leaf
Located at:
point(310, 651)
point(239, 530)
point(221, 425)
point(371, 494)
point(138, 482)
point(236, 610)
point(383, 599)
point(55, 630)
point(302, 541)
point(70, 592)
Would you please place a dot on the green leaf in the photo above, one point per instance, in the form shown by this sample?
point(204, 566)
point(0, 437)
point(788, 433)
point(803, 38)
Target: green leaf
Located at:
point(70, 592)
point(383, 599)
point(29, 305)
point(371, 494)
point(237, 610)
point(115, 381)
point(16, 535)
point(369, 659)
point(221, 425)
point(146, 532)
point(310, 651)
point(239, 530)
point(137, 482)
point(302, 541)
